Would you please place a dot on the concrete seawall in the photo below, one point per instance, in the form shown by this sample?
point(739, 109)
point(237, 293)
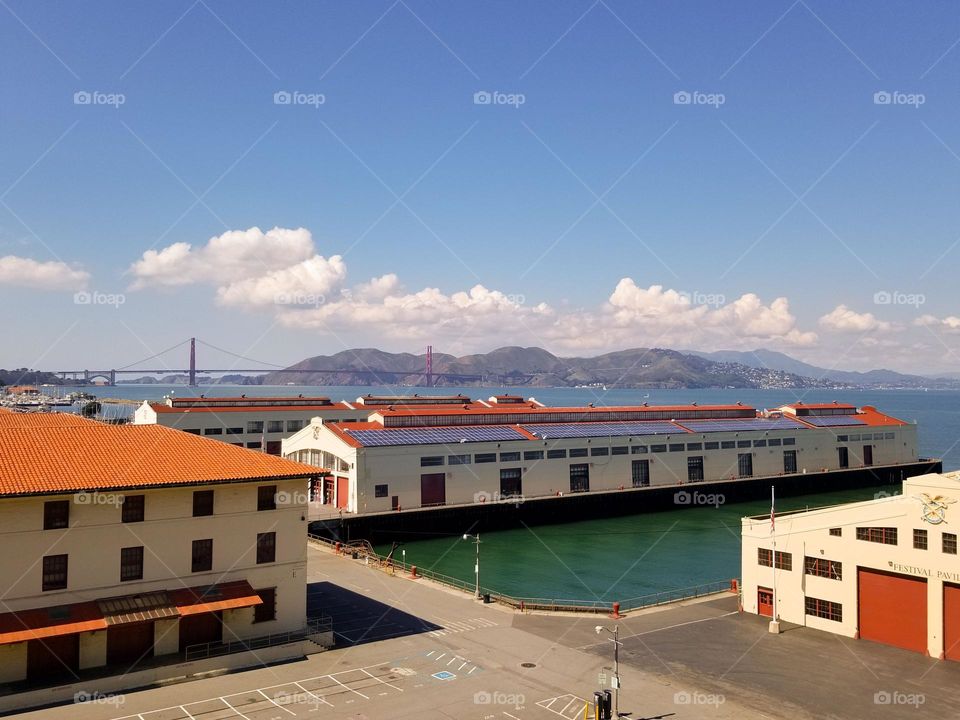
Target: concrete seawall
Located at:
point(572, 507)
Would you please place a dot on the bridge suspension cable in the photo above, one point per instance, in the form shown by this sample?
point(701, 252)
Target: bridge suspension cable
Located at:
point(163, 352)
point(241, 357)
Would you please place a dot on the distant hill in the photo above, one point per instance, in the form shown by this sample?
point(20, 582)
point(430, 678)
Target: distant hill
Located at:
point(872, 378)
point(536, 367)
point(24, 376)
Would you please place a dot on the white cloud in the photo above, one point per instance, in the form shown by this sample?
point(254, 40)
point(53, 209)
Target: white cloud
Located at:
point(307, 283)
point(951, 323)
point(844, 320)
point(52, 275)
point(235, 255)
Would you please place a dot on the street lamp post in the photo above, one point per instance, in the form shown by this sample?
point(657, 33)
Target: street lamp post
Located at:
point(616, 663)
point(476, 566)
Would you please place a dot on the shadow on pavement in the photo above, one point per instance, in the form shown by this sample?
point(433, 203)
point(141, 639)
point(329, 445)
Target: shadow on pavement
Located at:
point(358, 619)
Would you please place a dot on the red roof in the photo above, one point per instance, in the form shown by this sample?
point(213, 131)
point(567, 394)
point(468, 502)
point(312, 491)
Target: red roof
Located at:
point(539, 409)
point(164, 408)
point(61, 453)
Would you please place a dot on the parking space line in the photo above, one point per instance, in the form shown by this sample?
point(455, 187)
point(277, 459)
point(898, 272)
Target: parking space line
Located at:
point(381, 681)
point(186, 712)
point(227, 703)
point(318, 697)
point(270, 699)
point(348, 687)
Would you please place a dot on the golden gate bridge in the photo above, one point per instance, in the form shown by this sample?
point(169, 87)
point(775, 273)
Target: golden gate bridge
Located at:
point(428, 377)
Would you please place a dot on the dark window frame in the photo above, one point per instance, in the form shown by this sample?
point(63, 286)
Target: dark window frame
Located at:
point(266, 547)
point(203, 503)
point(56, 514)
point(266, 498)
point(131, 563)
point(382, 490)
point(133, 508)
point(52, 572)
point(201, 555)
point(266, 611)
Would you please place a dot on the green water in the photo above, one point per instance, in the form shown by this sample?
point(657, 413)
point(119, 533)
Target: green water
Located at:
point(614, 559)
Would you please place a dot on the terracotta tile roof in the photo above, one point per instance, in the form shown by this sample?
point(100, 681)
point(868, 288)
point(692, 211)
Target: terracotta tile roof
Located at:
point(60, 453)
point(50, 622)
point(225, 596)
point(332, 407)
point(527, 408)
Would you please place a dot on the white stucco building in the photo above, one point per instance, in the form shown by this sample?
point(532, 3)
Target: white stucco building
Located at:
point(885, 570)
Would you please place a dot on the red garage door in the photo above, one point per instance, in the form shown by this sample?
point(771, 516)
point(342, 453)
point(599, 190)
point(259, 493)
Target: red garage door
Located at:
point(951, 621)
point(343, 492)
point(893, 609)
point(433, 489)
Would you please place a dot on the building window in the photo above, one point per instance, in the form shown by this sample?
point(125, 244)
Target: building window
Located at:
point(267, 610)
point(510, 457)
point(695, 468)
point(533, 454)
point(789, 441)
point(599, 451)
point(759, 443)
point(235, 431)
point(950, 543)
point(578, 452)
point(773, 442)
point(192, 431)
point(431, 461)
point(823, 609)
point(458, 460)
point(556, 454)
point(56, 514)
point(743, 443)
point(294, 425)
point(131, 563)
point(919, 539)
point(836, 532)
point(202, 556)
point(274, 426)
point(711, 446)
point(55, 572)
point(694, 447)
point(267, 497)
point(579, 478)
point(253, 445)
point(619, 450)
point(677, 447)
point(789, 461)
point(255, 426)
point(485, 457)
point(784, 559)
point(745, 465)
point(727, 444)
point(658, 448)
point(638, 450)
point(640, 473)
point(202, 503)
point(132, 509)
point(266, 547)
point(213, 431)
point(823, 568)
point(380, 490)
point(885, 535)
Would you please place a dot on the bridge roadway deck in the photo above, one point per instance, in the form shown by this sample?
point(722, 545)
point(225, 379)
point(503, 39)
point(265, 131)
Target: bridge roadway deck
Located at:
point(413, 650)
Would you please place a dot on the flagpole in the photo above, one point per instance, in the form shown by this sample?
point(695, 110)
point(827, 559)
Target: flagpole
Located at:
point(775, 618)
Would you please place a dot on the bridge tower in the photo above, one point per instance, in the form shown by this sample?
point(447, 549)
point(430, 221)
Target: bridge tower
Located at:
point(193, 362)
point(429, 370)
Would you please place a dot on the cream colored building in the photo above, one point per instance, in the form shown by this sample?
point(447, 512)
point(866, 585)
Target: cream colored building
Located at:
point(416, 456)
point(885, 570)
point(125, 543)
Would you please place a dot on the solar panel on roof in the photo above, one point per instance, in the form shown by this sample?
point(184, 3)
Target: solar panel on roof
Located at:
point(705, 426)
point(434, 436)
point(595, 429)
point(832, 420)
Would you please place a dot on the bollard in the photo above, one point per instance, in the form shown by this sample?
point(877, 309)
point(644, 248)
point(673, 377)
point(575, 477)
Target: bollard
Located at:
point(336, 548)
point(733, 585)
point(413, 571)
point(616, 611)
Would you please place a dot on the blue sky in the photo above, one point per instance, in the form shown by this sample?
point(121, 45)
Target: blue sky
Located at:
point(595, 210)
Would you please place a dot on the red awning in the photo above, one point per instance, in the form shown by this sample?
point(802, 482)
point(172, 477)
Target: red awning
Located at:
point(211, 598)
point(49, 622)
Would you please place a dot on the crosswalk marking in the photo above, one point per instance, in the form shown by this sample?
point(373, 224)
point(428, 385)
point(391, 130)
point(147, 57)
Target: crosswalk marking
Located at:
point(458, 626)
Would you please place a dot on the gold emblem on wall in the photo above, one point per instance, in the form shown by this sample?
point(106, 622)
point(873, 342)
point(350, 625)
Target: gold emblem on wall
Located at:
point(934, 509)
